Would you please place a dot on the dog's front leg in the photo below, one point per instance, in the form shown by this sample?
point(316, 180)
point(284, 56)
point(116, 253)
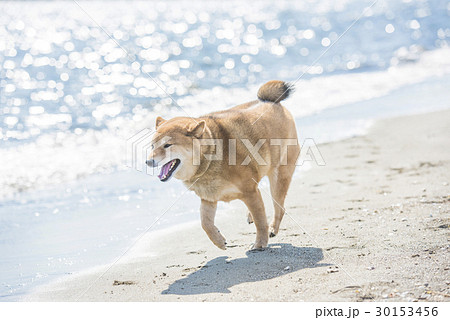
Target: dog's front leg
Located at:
point(255, 204)
point(208, 212)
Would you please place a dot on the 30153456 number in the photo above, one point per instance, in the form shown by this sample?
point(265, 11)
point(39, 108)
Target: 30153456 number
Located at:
point(406, 311)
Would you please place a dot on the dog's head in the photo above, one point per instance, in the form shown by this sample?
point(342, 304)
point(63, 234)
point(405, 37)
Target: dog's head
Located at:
point(173, 147)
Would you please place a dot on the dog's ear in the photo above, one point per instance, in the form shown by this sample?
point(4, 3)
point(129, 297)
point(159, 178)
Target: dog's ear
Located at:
point(197, 129)
point(159, 121)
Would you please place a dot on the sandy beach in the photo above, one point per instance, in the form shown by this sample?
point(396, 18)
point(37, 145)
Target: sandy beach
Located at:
point(370, 225)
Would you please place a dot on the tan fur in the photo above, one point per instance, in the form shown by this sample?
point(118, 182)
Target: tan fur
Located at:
point(214, 180)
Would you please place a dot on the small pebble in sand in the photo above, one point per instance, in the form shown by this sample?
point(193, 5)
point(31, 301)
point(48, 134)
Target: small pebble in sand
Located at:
point(121, 283)
point(404, 219)
point(424, 296)
point(332, 270)
point(371, 268)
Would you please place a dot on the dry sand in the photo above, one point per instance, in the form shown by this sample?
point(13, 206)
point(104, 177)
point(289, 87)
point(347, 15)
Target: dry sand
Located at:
point(371, 225)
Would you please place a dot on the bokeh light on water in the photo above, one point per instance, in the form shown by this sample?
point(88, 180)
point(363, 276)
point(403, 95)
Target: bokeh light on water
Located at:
point(62, 72)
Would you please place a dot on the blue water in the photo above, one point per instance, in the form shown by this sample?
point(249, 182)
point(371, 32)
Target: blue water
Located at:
point(56, 58)
point(71, 97)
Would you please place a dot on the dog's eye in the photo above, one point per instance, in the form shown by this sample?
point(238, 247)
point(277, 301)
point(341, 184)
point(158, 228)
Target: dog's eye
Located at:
point(167, 145)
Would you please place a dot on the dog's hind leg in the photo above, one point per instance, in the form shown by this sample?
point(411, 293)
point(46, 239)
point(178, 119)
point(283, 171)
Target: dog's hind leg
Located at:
point(280, 178)
point(255, 204)
point(208, 213)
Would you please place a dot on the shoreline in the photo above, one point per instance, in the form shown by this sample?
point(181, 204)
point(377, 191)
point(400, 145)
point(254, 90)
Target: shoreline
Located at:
point(345, 237)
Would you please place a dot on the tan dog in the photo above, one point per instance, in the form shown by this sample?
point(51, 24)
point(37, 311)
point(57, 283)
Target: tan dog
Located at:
point(250, 141)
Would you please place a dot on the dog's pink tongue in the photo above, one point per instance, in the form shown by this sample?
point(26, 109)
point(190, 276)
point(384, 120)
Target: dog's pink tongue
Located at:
point(165, 170)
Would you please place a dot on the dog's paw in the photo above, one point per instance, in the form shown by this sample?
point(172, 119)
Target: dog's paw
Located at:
point(220, 242)
point(255, 247)
point(259, 245)
point(272, 231)
point(249, 218)
point(222, 246)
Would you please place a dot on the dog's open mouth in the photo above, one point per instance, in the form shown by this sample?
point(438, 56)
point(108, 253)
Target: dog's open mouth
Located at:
point(168, 169)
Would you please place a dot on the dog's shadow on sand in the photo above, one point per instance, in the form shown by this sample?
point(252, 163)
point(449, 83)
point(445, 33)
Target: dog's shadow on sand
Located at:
point(220, 274)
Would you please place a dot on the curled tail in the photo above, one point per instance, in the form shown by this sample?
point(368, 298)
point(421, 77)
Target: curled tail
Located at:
point(274, 91)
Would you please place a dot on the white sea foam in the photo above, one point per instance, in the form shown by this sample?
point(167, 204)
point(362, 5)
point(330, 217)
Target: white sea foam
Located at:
point(319, 93)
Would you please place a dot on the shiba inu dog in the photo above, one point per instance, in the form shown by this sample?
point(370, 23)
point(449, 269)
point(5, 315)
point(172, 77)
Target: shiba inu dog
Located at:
point(223, 155)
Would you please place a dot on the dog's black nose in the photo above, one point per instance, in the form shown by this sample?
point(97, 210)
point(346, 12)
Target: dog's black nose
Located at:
point(150, 163)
